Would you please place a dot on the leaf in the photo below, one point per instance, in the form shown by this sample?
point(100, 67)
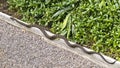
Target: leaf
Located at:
point(69, 29)
point(60, 12)
point(102, 3)
point(65, 21)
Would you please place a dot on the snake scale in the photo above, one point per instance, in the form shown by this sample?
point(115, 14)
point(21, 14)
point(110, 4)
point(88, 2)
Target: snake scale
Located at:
point(55, 36)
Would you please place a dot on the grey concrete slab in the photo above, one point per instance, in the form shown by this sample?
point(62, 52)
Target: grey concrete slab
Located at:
point(28, 48)
point(23, 49)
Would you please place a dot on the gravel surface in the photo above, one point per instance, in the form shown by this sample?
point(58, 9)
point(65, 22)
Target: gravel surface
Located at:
point(23, 49)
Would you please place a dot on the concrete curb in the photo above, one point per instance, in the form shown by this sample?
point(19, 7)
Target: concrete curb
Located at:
point(94, 58)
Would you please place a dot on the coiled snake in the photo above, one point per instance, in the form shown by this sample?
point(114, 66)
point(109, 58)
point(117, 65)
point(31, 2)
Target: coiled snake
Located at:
point(43, 29)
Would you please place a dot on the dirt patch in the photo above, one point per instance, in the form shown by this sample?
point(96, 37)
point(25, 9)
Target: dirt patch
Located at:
point(4, 7)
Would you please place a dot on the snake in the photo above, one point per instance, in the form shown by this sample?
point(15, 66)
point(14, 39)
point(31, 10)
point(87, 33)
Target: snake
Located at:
point(55, 36)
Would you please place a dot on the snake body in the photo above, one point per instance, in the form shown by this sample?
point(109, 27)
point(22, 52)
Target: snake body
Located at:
point(43, 29)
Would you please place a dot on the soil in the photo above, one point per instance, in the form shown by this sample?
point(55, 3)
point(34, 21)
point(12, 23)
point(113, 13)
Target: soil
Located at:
point(4, 7)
